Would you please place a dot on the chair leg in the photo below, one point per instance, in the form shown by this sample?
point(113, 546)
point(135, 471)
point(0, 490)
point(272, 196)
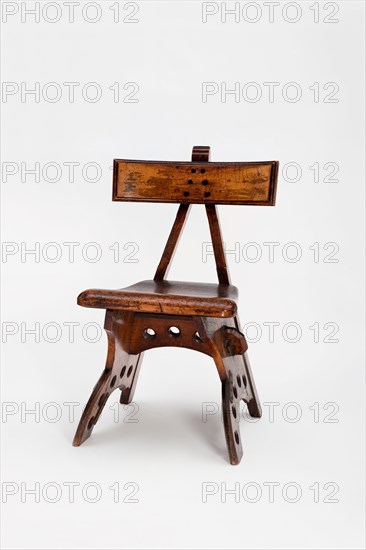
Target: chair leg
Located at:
point(231, 416)
point(238, 386)
point(227, 366)
point(252, 399)
point(229, 352)
point(253, 403)
point(121, 372)
point(106, 384)
point(219, 338)
point(131, 375)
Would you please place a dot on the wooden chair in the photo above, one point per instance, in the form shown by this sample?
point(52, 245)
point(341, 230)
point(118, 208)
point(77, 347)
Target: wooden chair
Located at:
point(198, 316)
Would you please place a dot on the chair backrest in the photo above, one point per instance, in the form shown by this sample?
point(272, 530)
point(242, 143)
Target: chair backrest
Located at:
point(196, 182)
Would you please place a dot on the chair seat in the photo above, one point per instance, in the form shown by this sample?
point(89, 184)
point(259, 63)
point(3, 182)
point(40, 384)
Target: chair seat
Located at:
point(168, 297)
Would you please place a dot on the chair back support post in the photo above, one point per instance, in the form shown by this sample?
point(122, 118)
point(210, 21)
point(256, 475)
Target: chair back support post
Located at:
point(197, 182)
point(199, 154)
point(172, 242)
point(218, 247)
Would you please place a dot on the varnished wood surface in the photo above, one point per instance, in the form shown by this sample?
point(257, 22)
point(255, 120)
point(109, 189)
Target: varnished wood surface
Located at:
point(218, 338)
point(169, 297)
point(216, 239)
point(251, 183)
point(172, 242)
point(198, 316)
point(201, 153)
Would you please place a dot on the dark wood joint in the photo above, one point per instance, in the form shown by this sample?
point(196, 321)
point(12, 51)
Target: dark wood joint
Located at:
point(234, 341)
point(201, 153)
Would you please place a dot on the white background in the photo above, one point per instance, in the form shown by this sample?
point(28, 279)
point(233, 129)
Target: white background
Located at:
point(170, 453)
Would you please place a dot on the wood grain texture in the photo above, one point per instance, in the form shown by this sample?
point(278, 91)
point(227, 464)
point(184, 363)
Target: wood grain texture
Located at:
point(198, 316)
point(251, 183)
point(172, 242)
point(169, 297)
point(128, 339)
point(216, 239)
point(201, 153)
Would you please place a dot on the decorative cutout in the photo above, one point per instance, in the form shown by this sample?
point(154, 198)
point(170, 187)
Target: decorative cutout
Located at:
point(174, 331)
point(102, 399)
point(149, 333)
